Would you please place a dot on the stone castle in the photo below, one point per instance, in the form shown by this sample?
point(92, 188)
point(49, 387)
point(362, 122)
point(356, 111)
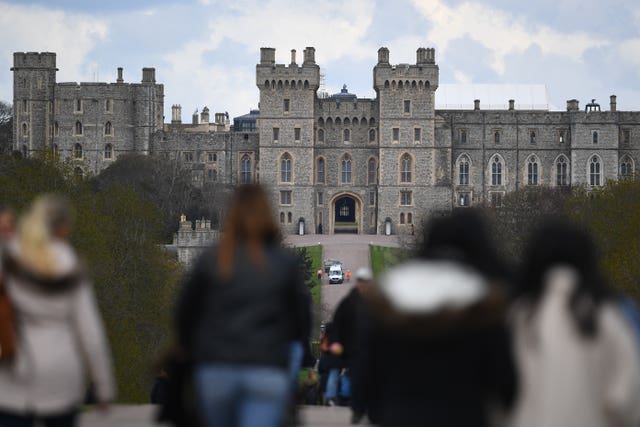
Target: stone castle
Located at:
point(332, 163)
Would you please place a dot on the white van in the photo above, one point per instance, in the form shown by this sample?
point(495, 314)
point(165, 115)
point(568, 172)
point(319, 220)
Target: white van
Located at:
point(335, 274)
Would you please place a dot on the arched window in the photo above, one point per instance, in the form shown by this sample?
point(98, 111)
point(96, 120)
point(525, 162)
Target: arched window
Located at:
point(107, 128)
point(561, 172)
point(371, 171)
point(372, 135)
point(78, 128)
point(594, 171)
point(285, 168)
point(496, 171)
point(245, 169)
point(463, 171)
point(108, 152)
point(320, 171)
point(346, 135)
point(626, 167)
point(532, 136)
point(281, 217)
point(496, 137)
point(532, 171)
point(320, 135)
point(346, 169)
point(77, 151)
point(25, 130)
point(289, 218)
point(405, 168)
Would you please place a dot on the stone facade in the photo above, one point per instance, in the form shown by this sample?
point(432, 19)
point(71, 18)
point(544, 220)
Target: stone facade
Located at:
point(190, 242)
point(340, 163)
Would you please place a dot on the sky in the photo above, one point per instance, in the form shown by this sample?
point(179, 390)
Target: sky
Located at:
point(205, 51)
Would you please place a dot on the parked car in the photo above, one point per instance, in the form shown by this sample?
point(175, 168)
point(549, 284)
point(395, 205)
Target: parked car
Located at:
point(329, 262)
point(335, 274)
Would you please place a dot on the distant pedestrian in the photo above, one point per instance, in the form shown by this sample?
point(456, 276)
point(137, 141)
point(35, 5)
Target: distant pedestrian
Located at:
point(577, 355)
point(241, 308)
point(319, 273)
point(61, 334)
point(348, 275)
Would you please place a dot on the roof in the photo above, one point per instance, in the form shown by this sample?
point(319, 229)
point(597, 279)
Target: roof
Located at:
point(253, 115)
point(344, 94)
point(493, 96)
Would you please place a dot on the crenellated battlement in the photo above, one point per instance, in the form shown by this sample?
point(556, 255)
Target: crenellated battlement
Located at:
point(34, 60)
point(292, 76)
point(424, 74)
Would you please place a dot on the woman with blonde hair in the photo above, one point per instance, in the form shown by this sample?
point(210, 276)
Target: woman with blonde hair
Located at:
point(242, 306)
point(58, 326)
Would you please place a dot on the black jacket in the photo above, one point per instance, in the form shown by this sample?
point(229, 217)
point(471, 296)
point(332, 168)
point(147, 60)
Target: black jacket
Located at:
point(250, 318)
point(345, 325)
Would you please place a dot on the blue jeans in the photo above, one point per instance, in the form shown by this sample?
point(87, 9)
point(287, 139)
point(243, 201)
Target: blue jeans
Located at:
point(296, 353)
point(332, 384)
point(241, 395)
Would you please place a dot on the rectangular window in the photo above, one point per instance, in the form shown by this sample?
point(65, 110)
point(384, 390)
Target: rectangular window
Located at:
point(405, 198)
point(407, 106)
point(372, 198)
point(562, 136)
point(320, 198)
point(626, 136)
point(396, 134)
point(496, 200)
point(78, 105)
point(108, 105)
point(533, 136)
point(212, 174)
point(464, 199)
point(296, 134)
point(276, 134)
point(285, 197)
point(188, 156)
point(417, 135)
point(212, 157)
point(497, 134)
point(25, 106)
point(286, 105)
point(463, 136)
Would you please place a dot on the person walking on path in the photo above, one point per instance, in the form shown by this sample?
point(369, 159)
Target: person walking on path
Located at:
point(436, 351)
point(238, 313)
point(346, 323)
point(577, 355)
point(59, 330)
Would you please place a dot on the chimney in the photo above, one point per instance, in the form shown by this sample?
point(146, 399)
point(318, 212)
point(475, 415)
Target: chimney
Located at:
point(383, 56)
point(512, 104)
point(293, 57)
point(194, 117)
point(176, 114)
point(148, 75)
point(612, 104)
point(204, 116)
point(267, 56)
point(120, 80)
point(476, 104)
point(573, 105)
point(309, 55)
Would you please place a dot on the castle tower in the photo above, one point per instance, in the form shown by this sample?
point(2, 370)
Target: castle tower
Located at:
point(286, 124)
point(411, 163)
point(148, 110)
point(34, 82)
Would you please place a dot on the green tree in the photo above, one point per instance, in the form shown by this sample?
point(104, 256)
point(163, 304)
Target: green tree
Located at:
point(6, 127)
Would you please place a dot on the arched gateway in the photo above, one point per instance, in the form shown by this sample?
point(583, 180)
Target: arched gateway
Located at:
point(346, 215)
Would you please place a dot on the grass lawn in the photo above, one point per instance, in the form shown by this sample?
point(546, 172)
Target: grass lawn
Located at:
point(383, 257)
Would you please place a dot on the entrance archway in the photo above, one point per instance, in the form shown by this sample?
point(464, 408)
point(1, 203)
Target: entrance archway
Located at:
point(346, 214)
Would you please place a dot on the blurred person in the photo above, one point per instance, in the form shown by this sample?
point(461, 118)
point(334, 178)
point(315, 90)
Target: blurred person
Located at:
point(577, 355)
point(345, 329)
point(241, 308)
point(60, 333)
point(435, 349)
point(330, 365)
point(7, 223)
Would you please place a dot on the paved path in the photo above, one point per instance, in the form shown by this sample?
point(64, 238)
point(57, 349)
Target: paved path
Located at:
point(142, 416)
point(352, 250)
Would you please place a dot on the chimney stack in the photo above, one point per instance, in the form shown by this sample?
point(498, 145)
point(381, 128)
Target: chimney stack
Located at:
point(120, 80)
point(612, 103)
point(267, 56)
point(148, 75)
point(293, 57)
point(476, 104)
point(194, 117)
point(512, 104)
point(176, 114)
point(573, 105)
point(383, 56)
point(309, 55)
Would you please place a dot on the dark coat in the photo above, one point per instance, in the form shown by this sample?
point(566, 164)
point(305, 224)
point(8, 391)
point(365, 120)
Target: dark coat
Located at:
point(345, 325)
point(249, 318)
point(438, 368)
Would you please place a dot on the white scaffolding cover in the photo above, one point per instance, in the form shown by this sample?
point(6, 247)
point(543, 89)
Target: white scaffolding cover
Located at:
point(493, 96)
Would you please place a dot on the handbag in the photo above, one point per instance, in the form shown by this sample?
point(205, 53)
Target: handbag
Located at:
point(7, 325)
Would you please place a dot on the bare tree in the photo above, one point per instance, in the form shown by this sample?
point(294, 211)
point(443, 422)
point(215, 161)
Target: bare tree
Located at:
point(6, 127)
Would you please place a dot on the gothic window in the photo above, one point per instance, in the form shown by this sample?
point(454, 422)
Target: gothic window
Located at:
point(594, 136)
point(496, 171)
point(346, 169)
point(532, 171)
point(346, 135)
point(296, 134)
point(25, 130)
point(108, 152)
point(417, 134)
point(281, 217)
point(107, 128)
point(371, 171)
point(405, 198)
point(320, 135)
point(372, 135)
point(561, 172)
point(320, 171)
point(594, 171)
point(626, 167)
point(78, 128)
point(496, 137)
point(245, 169)
point(406, 166)
point(463, 171)
point(285, 168)
point(77, 151)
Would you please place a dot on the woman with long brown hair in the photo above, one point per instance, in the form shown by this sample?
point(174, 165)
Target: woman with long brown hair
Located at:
point(238, 313)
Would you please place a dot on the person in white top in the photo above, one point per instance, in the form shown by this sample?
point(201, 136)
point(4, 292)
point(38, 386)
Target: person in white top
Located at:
point(577, 357)
point(59, 330)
